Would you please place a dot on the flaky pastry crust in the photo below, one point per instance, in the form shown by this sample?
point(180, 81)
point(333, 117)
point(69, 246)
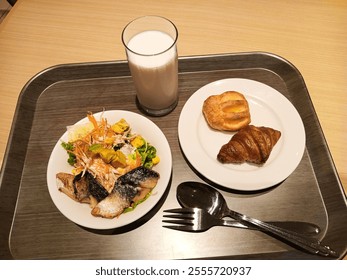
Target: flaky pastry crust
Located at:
point(251, 144)
point(228, 111)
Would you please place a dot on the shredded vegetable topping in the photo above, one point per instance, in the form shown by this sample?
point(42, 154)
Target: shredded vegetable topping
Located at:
point(107, 150)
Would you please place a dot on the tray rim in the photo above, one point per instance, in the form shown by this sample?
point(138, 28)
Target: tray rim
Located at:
point(43, 79)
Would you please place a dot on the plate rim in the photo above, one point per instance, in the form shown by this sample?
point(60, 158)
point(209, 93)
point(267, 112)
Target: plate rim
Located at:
point(107, 223)
point(200, 95)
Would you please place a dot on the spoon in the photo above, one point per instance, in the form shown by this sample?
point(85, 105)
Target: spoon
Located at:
point(200, 195)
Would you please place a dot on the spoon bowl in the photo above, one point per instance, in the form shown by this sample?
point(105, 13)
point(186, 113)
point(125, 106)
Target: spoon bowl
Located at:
point(199, 195)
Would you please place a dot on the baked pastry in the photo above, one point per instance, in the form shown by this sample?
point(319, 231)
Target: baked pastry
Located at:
point(227, 111)
point(250, 144)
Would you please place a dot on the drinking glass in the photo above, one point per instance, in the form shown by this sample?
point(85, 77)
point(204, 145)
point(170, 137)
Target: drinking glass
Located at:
point(150, 44)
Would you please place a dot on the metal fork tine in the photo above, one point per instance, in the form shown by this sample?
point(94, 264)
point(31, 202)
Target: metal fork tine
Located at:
point(183, 216)
point(180, 210)
point(179, 222)
point(187, 219)
point(184, 228)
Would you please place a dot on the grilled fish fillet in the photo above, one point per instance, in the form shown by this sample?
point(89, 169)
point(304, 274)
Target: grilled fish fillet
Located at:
point(74, 187)
point(128, 188)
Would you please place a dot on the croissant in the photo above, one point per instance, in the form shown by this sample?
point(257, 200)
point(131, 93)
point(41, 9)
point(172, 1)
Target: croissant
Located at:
point(250, 144)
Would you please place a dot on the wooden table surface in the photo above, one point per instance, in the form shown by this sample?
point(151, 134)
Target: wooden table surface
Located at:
point(312, 35)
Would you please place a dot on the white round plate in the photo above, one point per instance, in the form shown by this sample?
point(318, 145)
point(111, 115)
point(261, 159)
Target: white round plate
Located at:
point(268, 107)
point(80, 213)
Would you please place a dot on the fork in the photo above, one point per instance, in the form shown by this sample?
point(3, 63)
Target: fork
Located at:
point(197, 220)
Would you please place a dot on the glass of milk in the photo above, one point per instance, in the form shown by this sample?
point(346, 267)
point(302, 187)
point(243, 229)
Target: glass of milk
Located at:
point(150, 44)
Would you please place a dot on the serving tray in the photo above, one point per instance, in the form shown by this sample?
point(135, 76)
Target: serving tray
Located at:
point(33, 228)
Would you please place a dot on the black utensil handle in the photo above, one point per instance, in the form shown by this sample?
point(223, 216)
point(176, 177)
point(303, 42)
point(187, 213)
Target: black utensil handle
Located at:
point(310, 245)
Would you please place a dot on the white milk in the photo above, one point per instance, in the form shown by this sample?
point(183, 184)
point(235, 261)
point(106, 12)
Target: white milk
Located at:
point(154, 68)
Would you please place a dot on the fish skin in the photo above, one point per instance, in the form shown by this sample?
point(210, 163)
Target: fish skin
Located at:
point(95, 188)
point(139, 177)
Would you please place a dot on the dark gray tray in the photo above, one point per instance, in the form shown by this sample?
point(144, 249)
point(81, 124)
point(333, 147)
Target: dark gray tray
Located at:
point(33, 228)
